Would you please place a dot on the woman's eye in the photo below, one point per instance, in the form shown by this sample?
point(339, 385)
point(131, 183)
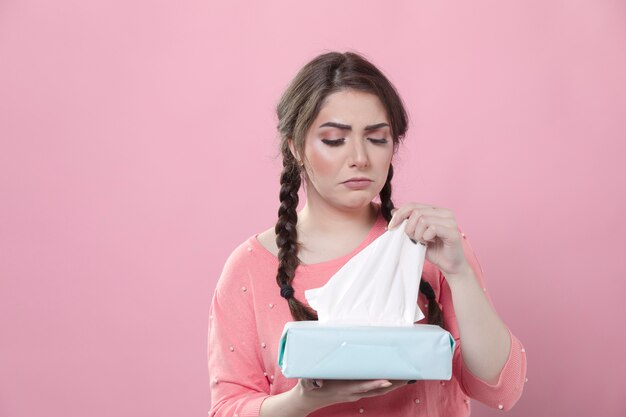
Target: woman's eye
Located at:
point(381, 141)
point(335, 142)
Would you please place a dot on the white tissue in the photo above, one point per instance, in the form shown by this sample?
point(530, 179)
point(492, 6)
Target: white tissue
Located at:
point(377, 287)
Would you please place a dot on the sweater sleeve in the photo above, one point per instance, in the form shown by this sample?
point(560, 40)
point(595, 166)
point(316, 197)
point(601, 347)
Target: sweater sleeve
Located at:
point(508, 389)
point(238, 383)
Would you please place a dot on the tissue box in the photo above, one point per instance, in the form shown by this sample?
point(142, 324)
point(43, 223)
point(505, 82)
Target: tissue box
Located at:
point(309, 349)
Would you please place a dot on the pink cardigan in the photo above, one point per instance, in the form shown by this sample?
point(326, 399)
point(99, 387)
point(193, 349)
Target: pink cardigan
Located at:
point(246, 320)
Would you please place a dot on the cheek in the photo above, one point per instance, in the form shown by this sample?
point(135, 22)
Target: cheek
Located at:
point(383, 154)
point(381, 157)
point(322, 161)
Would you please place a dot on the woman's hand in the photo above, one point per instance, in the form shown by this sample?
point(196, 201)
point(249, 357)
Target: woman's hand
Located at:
point(309, 395)
point(318, 393)
point(435, 227)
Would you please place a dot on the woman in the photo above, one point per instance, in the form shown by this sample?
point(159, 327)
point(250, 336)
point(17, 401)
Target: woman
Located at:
point(340, 123)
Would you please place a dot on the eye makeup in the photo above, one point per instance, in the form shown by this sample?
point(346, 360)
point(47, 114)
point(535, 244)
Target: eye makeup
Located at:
point(338, 142)
point(335, 142)
point(379, 141)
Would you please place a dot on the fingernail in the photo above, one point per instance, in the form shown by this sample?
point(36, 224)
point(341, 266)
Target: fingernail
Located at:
point(412, 381)
point(386, 384)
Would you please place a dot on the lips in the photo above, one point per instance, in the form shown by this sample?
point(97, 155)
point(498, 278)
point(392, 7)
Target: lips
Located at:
point(358, 183)
point(357, 179)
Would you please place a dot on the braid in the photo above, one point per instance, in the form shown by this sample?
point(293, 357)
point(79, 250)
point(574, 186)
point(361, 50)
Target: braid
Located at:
point(386, 206)
point(434, 312)
point(287, 238)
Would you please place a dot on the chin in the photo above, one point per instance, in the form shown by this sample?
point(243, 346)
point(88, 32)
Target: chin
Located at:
point(357, 202)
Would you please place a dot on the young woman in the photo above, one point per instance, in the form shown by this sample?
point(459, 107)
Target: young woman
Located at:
point(340, 122)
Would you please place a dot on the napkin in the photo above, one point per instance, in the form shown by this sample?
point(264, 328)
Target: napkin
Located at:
point(376, 287)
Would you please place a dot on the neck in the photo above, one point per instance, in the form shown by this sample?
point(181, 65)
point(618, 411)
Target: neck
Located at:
point(319, 216)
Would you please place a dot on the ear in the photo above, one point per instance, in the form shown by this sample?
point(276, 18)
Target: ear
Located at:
point(292, 148)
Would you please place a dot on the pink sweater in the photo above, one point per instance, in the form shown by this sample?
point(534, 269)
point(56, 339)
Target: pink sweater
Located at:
point(246, 320)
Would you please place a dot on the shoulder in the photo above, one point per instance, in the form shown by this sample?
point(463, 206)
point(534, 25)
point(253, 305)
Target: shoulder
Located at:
point(267, 239)
point(248, 260)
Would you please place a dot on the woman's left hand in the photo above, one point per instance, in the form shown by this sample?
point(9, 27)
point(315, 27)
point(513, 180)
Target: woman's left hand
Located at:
point(436, 227)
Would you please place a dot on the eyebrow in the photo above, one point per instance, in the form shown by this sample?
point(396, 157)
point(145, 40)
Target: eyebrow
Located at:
point(348, 127)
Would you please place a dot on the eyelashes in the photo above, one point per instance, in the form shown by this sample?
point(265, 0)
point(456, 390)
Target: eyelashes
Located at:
point(335, 142)
point(339, 142)
point(379, 141)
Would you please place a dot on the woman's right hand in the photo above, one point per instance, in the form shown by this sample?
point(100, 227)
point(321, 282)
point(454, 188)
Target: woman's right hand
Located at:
point(318, 393)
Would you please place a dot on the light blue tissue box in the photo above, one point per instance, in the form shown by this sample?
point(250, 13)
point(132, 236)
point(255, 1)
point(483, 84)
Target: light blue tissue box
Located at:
point(309, 349)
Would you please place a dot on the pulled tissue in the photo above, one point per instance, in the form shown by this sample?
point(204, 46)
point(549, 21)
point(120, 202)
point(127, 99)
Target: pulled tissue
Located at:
point(376, 287)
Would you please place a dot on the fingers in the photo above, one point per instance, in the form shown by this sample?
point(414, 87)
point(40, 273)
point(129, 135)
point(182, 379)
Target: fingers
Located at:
point(406, 211)
point(383, 390)
point(312, 384)
point(339, 391)
point(425, 222)
point(425, 228)
point(356, 386)
point(366, 386)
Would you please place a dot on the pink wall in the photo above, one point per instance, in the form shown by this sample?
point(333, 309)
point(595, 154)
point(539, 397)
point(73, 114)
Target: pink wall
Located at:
point(137, 150)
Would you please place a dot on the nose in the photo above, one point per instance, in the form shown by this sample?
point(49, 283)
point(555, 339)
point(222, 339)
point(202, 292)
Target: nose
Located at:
point(358, 155)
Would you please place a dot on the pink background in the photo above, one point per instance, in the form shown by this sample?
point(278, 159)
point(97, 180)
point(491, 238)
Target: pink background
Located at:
point(138, 149)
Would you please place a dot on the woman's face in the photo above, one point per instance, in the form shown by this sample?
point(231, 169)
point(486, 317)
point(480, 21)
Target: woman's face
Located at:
point(348, 150)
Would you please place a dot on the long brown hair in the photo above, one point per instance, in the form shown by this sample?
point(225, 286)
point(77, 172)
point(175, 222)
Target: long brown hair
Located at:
point(297, 109)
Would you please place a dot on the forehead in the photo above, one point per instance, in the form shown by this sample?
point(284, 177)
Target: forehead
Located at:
point(352, 107)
